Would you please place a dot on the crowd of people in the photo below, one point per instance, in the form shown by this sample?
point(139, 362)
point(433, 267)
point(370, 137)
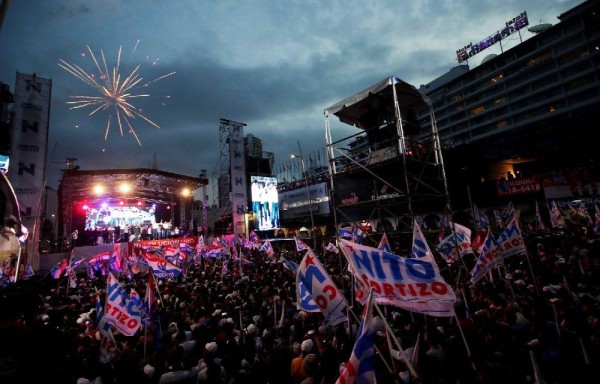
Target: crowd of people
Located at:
point(536, 319)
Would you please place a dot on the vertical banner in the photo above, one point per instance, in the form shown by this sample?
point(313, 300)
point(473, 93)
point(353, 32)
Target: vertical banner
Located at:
point(29, 147)
point(239, 200)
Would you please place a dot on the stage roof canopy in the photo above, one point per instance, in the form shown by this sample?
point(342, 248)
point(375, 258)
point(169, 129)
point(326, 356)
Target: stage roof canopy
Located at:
point(351, 109)
point(150, 185)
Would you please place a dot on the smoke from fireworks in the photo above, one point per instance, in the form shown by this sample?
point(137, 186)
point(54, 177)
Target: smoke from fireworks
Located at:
point(116, 92)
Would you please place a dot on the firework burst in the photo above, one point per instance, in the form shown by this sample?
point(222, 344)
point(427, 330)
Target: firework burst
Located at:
point(116, 92)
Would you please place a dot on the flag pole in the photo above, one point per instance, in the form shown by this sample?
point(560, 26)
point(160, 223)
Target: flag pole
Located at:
point(462, 334)
point(145, 340)
point(586, 357)
point(376, 347)
point(158, 291)
point(282, 314)
point(462, 291)
point(69, 273)
point(274, 312)
point(536, 369)
point(508, 280)
point(391, 332)
point(18, 263)
point(532, 274)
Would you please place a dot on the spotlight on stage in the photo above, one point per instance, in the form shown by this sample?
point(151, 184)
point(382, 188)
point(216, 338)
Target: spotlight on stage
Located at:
point(125, 188)
point(99, 189)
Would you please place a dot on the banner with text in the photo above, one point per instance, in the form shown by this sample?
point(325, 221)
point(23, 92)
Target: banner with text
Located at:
point(413, 284)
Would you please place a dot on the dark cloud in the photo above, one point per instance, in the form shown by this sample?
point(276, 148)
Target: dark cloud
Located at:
point(66, 11)
point(274, 66)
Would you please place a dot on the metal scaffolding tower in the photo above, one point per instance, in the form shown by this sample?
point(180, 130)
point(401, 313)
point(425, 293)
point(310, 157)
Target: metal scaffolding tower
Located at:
point(230, 134)
point(391, 170)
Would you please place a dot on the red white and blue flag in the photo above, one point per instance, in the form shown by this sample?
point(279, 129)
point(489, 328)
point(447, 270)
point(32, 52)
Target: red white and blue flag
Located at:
point(171, 254)
point(99, 258)
point(358, 235)
point(509, 212)
point(75, 263)
point(481, 219)
point(322, 289)
point(510, 242)
point(300, 246)
point(346, 232)
point(161, 268)
point(330, 247)
point(137, 300)
point(499, 221)
point(444, 227)
point(28, 271)
point(489, 258)
point(108, 346)
point(555, 217)
point(267, 247)
point(538, 217)
point(150, 296)
point(457, 244)
point(360, 368)
point(305, 300)
point(254, 238)
point(384, 244)
point(59, 269)
point(289, 265)
point(120, 310)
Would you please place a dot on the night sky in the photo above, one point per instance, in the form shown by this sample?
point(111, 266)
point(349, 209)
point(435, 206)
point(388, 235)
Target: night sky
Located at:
point(273, 65)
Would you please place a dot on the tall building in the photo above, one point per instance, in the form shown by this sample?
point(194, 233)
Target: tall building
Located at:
point(532, 109)
point(253, 146)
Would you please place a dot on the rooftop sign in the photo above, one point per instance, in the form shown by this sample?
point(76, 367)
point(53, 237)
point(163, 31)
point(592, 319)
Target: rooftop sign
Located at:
point(511, 27)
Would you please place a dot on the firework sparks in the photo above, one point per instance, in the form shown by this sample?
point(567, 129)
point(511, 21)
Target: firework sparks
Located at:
point(116, 92)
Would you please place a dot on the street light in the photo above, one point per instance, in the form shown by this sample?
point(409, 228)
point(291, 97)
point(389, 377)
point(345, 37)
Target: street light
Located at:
point(312, 221)
point(185, 194)
point(54, 229)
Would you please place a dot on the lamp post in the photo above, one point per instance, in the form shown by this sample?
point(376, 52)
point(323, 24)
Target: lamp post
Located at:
point(185, 194)
point(54, 228)
point(312, 221)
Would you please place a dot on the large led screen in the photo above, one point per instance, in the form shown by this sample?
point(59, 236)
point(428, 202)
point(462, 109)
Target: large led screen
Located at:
point(265, 202)
point(118, 216)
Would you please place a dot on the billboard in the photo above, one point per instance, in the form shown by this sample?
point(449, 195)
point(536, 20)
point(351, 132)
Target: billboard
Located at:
point(510, 27)
point(29, 146)
point(238, 176)
point(295, 203)
point(265, 202)
point(519, 186)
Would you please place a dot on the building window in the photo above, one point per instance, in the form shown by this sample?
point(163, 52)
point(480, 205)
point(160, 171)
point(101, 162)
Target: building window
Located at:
point(496, 79)
point(577, 83)
point(540, 59)
point(552, 108)
point(477, 110)
point(499, 101)
point(456, 96)
point(501, 124)
point(574, 56)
